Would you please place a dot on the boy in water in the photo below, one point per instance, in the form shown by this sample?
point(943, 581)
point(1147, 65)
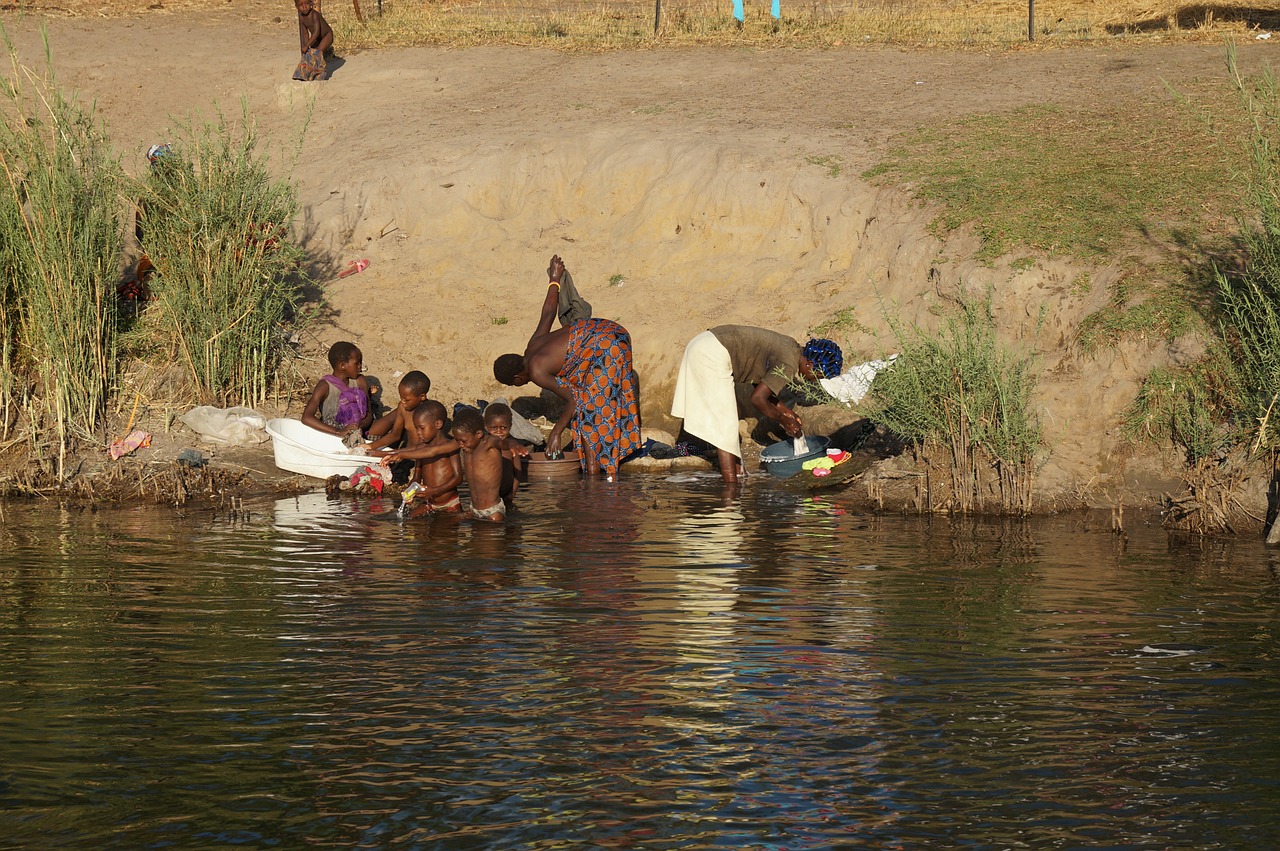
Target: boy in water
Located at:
point(339, 404)
point(439, 476)
point(398, 423)
point(497, 422)
point(482, 459)
point(316, 40)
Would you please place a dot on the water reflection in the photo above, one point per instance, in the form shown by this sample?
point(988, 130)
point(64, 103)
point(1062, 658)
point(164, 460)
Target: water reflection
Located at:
point(648, 664)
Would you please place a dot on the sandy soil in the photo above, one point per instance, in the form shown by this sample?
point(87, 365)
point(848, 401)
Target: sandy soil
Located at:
point(704, 179)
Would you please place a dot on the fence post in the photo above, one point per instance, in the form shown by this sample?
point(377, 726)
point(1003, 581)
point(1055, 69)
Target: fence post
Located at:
point(1031, 20)
point(657, 16)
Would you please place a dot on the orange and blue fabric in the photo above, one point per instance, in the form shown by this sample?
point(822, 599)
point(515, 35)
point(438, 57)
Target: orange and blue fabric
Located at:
point(597, 370)
point(312, 66)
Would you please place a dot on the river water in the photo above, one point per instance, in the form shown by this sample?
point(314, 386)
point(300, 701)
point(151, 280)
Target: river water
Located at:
point(648, 664)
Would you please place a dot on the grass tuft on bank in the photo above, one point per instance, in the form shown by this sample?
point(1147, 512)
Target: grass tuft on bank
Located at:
point(1082, 183)
point(215, 221)
point(961, 392)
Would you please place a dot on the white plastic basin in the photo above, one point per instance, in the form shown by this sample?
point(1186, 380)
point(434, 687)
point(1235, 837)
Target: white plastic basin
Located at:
point(301, 449)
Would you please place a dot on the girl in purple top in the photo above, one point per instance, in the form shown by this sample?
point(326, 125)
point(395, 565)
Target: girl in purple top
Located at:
point(339, 404)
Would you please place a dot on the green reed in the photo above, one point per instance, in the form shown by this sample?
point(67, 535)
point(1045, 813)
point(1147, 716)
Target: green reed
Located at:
point(61, 237)
point(1193, 406)
point(215, 222)
point(961, 391)
point(1249, 303)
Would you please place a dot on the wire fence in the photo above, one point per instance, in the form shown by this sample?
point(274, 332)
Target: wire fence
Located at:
point(943, 22)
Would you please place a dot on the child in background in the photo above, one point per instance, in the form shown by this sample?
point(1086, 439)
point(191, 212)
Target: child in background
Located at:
point(397, 424)
point(438, 476)
point(339, 404)
point(315, 37)
point(482, 460)
point(497, 422)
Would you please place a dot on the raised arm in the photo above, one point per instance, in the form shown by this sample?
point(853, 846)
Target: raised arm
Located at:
point(551, 304)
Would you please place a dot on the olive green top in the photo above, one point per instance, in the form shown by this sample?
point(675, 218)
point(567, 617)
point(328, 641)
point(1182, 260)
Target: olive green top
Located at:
point(758, 354)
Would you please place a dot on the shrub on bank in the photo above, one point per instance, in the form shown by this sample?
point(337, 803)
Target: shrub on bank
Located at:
point(1250, 302)
point(60, 246)
point(960, 392)
point(1223, 410)
point(215, 223)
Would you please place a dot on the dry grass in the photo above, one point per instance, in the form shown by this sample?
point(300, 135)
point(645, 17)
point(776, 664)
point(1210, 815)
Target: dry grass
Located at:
point(615, 24)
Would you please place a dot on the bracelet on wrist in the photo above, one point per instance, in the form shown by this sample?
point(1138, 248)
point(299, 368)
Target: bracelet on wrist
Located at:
point(555, 284)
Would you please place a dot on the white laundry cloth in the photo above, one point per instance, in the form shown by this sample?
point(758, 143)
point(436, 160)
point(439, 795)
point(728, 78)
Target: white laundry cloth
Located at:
point(851, 385)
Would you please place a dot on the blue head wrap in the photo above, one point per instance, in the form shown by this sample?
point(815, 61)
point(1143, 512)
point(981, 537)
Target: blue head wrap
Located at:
point(826, 357)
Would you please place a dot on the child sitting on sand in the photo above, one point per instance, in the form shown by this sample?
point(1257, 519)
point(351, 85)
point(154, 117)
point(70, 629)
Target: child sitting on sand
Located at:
point(316, 40)
point(441, 475)
point(497, 422)
point(396, 424)
point(339, 404)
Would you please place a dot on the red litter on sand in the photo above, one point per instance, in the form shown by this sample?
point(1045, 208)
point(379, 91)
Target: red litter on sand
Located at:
point(354, 267)
point(136, 439)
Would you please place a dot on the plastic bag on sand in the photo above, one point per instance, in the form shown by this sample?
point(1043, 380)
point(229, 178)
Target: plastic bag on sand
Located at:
point(236, 426)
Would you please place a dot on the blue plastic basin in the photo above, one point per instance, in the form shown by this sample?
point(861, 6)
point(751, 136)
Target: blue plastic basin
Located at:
point(781, 459)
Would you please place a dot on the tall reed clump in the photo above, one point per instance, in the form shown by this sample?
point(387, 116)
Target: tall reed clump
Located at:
point(961, 392)
point(215, 222)
point(60, 243)
point(1223, 410)
point(1250, 302)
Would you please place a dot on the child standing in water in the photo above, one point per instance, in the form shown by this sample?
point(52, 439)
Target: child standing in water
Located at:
point(497, 422)
point(482, 460)
point(316, 40)
point(439, 476)
point(339, 404)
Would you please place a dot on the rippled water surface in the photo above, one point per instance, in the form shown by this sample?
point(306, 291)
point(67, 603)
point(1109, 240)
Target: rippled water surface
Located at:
point(639, 665)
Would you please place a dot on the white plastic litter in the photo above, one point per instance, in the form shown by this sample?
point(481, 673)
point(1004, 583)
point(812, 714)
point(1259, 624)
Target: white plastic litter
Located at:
point(233, 426)
point(851, 385)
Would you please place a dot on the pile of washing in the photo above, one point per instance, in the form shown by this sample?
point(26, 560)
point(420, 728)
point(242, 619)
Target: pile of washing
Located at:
point(365, 481)
point(823, 465)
